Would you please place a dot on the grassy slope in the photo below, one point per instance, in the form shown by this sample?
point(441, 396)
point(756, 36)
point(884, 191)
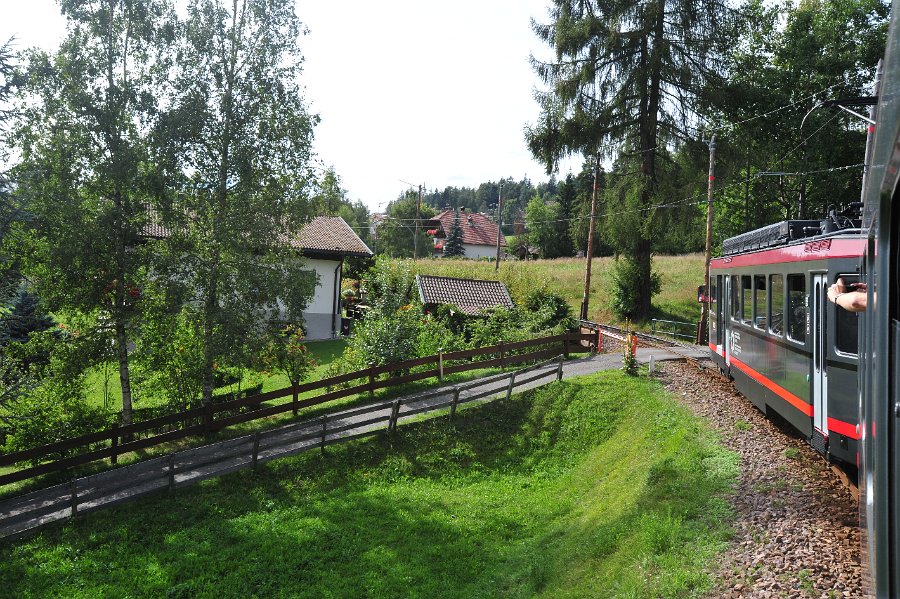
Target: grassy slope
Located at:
point(593, 487)
point(677, 301)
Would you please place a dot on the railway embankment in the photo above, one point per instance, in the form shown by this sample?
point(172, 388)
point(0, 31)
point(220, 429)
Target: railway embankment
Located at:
point(796, 525)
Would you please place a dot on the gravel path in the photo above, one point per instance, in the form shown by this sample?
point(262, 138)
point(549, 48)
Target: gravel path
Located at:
point(796, 529)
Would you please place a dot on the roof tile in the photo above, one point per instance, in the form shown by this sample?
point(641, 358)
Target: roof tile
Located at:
point(471, 296)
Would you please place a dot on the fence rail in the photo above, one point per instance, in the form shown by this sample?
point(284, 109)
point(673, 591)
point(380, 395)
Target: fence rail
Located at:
point(23, 514)
point(674, 328)
point(111, 443)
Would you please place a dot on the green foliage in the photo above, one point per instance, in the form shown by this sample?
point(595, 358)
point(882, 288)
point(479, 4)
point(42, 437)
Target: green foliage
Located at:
point(239, 177)
point(25, 316)
point(595, 483)
point(548, 311)
point(45, 403)
point(170, 354)
point(397, 235)
point(390, 285)
point(288, 354)
point(627, 293)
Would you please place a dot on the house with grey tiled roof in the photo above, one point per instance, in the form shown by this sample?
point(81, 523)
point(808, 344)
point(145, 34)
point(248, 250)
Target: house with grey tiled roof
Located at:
point(471, 296)
point(324, 242)
point(479, 233)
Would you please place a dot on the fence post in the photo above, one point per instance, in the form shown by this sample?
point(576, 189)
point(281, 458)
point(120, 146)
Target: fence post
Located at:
point(565, 345)
point(502, 362)
point(599, 341)
point(454, 402)
point(634, 345)
point(324, 431)
point(208, 417)
point(440, 364)
point(509, 388)
point(559, 368)
point(296, 400)
point(371, 380)
point(395, 413)
point(74, 497)
point(114, 458)
point(255, 448)
point(172, 473)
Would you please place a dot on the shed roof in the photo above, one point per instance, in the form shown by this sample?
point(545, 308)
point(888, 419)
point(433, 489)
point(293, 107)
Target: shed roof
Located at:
point(471, 296)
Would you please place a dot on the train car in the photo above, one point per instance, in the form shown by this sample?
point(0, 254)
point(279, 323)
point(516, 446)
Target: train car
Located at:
point(772, 329)
point(879, 475)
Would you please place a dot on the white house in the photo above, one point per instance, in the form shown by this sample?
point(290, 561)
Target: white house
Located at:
point(324, 242)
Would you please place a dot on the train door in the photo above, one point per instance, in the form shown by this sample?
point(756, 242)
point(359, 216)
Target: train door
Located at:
point(726, 302)
point(818, 311)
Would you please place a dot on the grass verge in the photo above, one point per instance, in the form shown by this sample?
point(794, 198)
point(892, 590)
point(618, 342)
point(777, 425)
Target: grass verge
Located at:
point(593, 487)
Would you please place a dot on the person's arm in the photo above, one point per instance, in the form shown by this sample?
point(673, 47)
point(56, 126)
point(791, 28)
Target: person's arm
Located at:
point(852, 301)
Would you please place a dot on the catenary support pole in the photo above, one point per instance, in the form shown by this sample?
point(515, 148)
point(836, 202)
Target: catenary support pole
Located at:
point(590, 244)
point(704, 310)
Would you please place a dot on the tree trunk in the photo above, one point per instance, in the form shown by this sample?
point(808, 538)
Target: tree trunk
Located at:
point(124, 376)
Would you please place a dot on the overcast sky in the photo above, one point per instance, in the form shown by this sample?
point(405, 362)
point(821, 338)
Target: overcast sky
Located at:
point(423, 92)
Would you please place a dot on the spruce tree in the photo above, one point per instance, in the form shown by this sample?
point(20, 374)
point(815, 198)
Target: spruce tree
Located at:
point(626, 78)
point(454, 245)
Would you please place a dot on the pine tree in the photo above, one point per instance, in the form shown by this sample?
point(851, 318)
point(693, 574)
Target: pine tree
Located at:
point(454, 245)
point(626, 78)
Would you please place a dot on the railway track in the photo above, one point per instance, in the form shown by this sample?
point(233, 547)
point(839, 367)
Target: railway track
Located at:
point(705, 366)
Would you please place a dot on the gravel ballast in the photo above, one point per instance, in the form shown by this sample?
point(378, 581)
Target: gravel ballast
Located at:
point(796, 529)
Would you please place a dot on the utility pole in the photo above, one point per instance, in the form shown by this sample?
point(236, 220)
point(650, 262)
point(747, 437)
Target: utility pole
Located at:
point(499, 226)
point(416, 234)
point(704, 311)
point(590, 243)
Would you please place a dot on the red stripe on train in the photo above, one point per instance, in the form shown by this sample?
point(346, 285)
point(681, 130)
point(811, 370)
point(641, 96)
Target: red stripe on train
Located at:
point(842, 428)
point(774, 388)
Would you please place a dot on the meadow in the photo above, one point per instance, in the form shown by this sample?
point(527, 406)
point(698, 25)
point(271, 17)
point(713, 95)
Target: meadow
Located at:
point(681, 275)
point(593, 487)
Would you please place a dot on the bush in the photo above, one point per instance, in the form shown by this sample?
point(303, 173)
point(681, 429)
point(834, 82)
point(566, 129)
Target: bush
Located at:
point(626, 294)
point(547, 312)
point(288, 355)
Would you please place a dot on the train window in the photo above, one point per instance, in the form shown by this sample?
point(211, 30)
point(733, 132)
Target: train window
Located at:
point(846, 340)
point(735, 297)
point(776, 305)
point(797, 310)
point(747, 294)
point(759, 294)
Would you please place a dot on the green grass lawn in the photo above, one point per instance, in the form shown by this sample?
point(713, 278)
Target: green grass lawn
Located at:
point(593, 487)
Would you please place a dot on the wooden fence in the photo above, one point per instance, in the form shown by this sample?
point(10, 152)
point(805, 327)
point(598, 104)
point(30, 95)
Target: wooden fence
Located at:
point(213, 417)
point(24, 514)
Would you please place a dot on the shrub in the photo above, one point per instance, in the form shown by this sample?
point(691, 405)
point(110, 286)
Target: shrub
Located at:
point(626, 293)
point(546, 311)
point(288, 354)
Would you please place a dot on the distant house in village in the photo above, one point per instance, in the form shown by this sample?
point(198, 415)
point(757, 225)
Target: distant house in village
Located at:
point(471, 296)
point(324, 242)
point(479, 233)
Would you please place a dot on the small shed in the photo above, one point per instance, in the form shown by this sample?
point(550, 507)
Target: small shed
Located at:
point(471, 296)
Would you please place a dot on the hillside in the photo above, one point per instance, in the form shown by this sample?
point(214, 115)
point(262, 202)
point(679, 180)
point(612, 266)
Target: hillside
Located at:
point(599, 486)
